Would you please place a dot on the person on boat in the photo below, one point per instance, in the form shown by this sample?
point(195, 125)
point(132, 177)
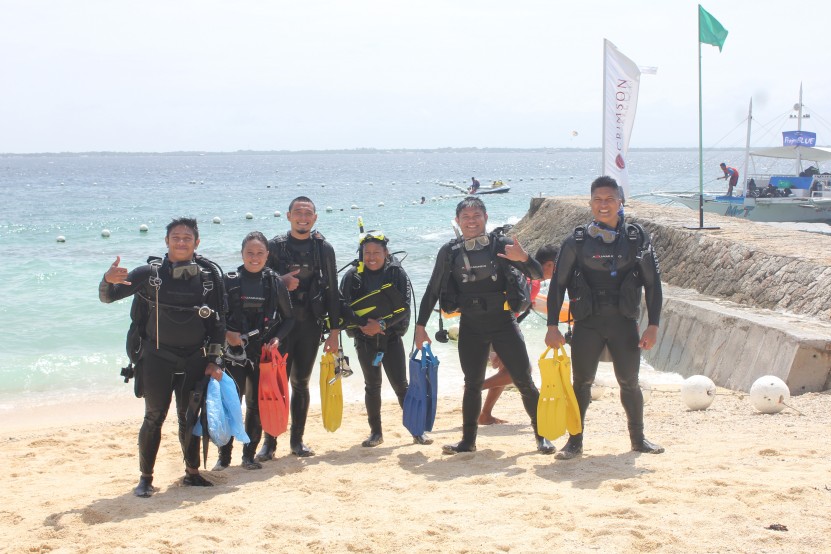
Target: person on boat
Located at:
point(483, 276)
point(729, 173)
point(474, 186)
point(378, 341)
point(604, 265)
point(495, 384)
point(175, 340)
point(259, 313)
point(306, 263)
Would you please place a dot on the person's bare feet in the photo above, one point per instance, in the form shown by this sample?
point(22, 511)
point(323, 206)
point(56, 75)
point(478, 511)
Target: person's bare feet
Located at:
point(486, 419)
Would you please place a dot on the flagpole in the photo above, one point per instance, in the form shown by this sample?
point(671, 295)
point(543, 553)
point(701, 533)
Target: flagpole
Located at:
point(603, 111)
point(700, 136)
point(715, 35)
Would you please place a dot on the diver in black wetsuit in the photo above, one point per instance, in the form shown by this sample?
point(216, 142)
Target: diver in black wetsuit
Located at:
point(378, 341)
point(181, 332)
point(259, 313)
point(481, 276)
point(604, 265)
point(306, 264)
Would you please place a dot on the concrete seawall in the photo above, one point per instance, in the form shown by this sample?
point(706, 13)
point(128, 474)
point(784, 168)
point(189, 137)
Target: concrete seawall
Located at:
point(743, 301)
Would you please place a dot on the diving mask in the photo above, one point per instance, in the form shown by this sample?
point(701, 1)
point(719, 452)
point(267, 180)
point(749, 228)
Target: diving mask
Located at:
point(477, 243)
point(606, 234)
point(342, 368)
point(184, 270)
point(373, 236)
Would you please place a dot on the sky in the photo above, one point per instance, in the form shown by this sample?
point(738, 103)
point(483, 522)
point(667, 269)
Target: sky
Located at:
point(169, 75)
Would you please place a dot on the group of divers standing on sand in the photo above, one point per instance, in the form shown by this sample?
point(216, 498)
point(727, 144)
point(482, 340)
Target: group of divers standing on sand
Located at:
point(188, 318)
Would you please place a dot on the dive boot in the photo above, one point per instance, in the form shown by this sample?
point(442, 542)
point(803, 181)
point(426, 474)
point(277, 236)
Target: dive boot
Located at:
point(422, 440)
point(544, 446)
point(647, 447)
point(145, 488)
point(196, 480)
point(266, 453)
point(572, 449)
point(460, 446)
point(301, 450)
point(374, 440)
point(251, 463)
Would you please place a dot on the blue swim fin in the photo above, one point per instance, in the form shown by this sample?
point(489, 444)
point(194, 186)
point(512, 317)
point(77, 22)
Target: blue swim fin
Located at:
point(416, 399)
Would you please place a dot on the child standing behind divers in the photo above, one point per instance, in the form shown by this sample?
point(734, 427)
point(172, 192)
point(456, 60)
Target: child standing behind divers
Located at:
point(378, 339)
point(259, 313)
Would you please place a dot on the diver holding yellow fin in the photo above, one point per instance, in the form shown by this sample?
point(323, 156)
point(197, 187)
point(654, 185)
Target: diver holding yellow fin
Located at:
point(607, 266)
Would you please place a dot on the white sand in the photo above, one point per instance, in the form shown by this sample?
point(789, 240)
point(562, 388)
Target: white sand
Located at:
point(727, 475)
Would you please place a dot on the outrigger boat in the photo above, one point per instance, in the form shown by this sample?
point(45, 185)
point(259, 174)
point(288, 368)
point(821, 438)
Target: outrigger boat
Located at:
point(801, 196)
point(497, 187)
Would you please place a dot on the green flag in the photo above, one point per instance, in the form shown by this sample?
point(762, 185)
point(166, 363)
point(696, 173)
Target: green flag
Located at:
point(710, 31)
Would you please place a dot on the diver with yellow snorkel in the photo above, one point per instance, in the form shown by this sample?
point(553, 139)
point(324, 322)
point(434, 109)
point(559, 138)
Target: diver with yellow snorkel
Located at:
point(376, 310)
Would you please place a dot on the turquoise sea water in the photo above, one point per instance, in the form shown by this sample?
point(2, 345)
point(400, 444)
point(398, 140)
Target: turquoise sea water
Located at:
point(58, 340)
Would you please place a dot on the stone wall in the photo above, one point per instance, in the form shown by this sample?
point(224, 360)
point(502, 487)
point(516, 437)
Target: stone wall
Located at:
point(748, 263)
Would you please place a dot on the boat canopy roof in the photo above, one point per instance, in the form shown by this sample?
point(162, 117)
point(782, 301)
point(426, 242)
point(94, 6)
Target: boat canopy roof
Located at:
point(814, 154)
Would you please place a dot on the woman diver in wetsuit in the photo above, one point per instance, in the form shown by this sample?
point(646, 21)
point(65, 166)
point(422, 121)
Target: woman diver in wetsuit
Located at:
point(378, 341)
point(259, 312)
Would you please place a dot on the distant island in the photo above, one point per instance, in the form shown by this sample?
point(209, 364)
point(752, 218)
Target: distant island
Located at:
point(466, 150)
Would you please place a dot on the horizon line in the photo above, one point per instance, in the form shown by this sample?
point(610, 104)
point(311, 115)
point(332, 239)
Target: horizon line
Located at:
point(363, 150)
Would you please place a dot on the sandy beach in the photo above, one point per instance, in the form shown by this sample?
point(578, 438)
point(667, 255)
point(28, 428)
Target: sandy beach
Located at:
point(729, 474)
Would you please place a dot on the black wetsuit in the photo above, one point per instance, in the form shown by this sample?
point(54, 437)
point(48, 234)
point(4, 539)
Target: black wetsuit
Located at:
point(614, 274)
point(179, 362)
point(354, 285)
point(485, 321)
point(256, 301)
point(315, 298)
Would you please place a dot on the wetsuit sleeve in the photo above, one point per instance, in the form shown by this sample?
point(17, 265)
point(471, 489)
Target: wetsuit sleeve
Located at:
point(402, 283)
point(347, 313)
point(108, 293)
point(215, 326)
point(330, 273)
point(562, 275)
point(651, 276)
point(531, 267)
point(431, 294)
point(284, 308)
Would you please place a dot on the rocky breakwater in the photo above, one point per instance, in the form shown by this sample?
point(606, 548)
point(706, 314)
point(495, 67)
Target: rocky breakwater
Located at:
point(740, 301)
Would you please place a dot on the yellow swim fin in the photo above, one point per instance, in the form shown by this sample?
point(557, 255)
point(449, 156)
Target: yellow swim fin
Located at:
point(573, 423)
point(551, 408)
point(331, 393)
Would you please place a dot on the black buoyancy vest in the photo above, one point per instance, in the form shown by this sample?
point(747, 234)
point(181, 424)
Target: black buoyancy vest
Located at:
point(252, 300)
point(182, 304)
point(482, 274)
point(363, 283)
point(310, 292)
point(593, 283)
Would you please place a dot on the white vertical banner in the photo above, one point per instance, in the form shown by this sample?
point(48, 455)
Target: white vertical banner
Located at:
point(621, 80)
